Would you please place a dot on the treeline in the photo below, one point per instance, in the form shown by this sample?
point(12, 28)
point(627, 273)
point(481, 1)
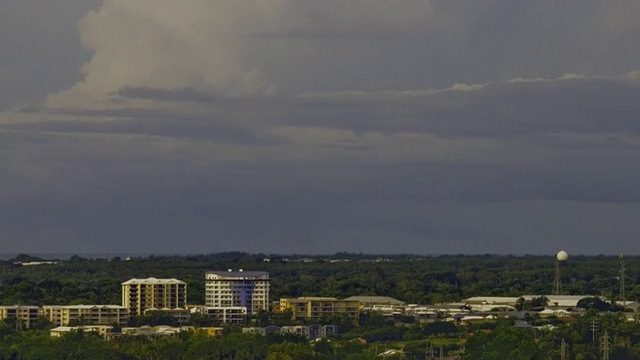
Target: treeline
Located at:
point(38, 345)
point(413, 279)
point(357, 344)
point(584, 338)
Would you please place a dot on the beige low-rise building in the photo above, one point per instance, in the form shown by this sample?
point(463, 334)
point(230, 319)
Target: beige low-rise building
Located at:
point(316, 308)
point(311, 332)
point(209, 331)
point(165, 330)
point(372, 301)
point(181, 315)
point(86, 314)
point(102, 330)
point(26, 316)
point(236, 315)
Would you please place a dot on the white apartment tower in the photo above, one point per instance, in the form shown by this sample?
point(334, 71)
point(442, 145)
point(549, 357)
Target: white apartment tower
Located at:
point(249, 289)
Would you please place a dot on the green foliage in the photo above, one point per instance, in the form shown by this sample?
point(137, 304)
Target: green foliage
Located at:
point(153, 318)
point(440, 328)
point(437, 328)
point(387, 333)
point(290, 351)
point(503, 343)
point(413, 279)
point(201, 320)
point(598, 304)
point(532, 304)
point(374, 319)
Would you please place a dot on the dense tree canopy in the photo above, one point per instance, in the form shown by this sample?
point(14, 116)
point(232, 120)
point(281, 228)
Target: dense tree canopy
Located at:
point(413, 279)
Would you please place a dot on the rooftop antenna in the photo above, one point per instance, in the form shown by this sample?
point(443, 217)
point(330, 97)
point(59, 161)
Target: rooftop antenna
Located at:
point(561, 257)
point(623, 296)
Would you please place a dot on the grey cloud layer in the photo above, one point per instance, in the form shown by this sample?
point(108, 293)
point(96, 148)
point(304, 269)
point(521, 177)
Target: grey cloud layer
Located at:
point(563, 139)
point(328, 126)
point(256, 47)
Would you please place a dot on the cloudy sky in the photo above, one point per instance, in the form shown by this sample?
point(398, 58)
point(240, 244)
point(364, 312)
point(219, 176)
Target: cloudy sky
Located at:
point(305, 126)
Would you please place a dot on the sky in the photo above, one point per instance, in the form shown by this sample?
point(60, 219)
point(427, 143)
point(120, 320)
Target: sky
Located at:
point(305, 126)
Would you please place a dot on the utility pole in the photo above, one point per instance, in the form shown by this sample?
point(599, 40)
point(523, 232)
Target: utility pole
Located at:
point(428, 351)
point(594, 330)
point(563, 350)
point(623, 296)
point(605, 346)
point(18, 318)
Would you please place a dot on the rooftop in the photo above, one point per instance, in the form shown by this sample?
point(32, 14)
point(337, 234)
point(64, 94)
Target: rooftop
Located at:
point(313, 298)
point(86, 306)
point(367, 300)
point(491, 299)
point(239, 273)
point(152, 280)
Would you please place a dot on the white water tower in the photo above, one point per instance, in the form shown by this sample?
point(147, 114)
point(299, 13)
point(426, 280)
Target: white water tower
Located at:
point(561, 257)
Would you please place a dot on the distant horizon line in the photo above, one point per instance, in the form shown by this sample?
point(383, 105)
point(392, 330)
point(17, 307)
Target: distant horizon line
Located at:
point(108, 255)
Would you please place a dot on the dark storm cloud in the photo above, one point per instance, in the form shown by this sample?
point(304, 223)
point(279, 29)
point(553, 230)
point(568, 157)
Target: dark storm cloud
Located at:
point(543, 139)
point(303, 126)
point(509, 109)
point(519, 108)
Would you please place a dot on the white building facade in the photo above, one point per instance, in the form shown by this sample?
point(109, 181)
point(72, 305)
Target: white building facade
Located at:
point(233, 289)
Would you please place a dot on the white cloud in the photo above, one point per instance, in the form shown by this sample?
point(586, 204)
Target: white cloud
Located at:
point(223, 48)
point(166, 44)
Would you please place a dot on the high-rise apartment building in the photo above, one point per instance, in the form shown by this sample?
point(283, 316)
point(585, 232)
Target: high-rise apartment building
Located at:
point(249, 289)
point(141, 294)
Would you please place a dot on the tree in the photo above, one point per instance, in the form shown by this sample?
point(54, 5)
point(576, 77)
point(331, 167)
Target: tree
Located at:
point(41, 323)
point(502, 343)
point(598, 304)
point(153, 318)
point(290, 351)
point(532, 304)
point(440, 328)
point(199, 319)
